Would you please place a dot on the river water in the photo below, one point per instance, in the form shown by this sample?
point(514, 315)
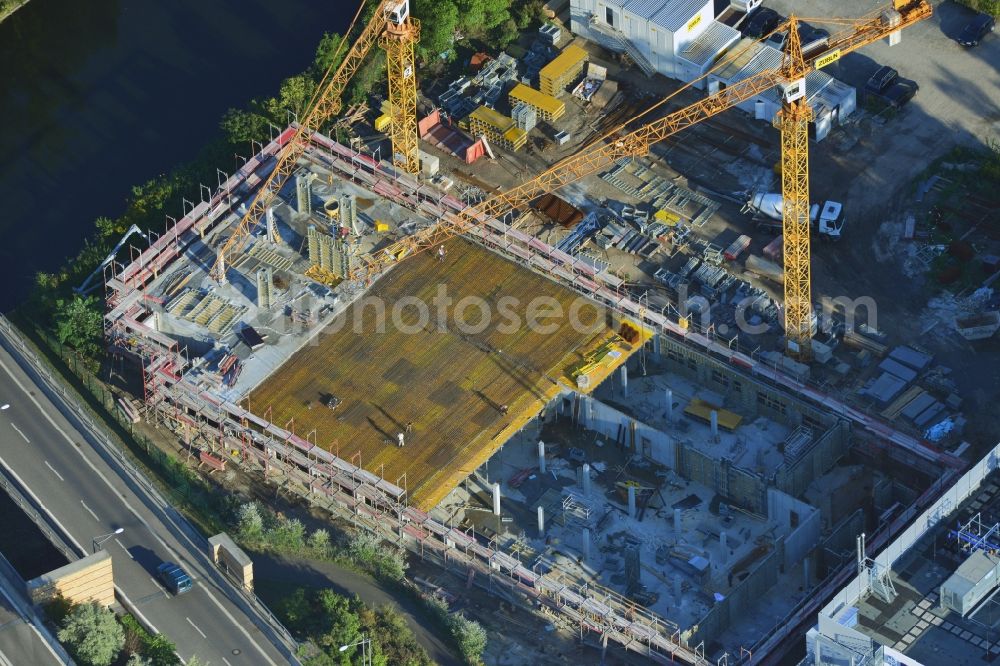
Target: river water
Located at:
point(99, 96)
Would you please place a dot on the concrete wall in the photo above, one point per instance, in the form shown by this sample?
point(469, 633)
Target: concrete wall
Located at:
point(744, 393)
point(801, 523)
point(740, 601)
point(821, 456)
point(88, 579)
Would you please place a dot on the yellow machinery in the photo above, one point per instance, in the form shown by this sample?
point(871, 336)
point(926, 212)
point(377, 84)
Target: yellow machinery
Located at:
point(793, 121)
point(397, 33)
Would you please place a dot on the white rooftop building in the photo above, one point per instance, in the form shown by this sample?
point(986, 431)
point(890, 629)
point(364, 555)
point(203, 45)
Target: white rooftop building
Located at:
point(682, 40)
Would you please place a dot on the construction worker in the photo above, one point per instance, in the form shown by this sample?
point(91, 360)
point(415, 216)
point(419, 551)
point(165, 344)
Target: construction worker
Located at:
point(409, 426)
point(504, 409)
point(441, 253)
point(402, 441)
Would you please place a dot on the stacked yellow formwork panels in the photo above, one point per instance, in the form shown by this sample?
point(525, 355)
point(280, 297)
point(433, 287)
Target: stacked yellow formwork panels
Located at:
point(497, 128)
point(546, 106)
point(559, 73)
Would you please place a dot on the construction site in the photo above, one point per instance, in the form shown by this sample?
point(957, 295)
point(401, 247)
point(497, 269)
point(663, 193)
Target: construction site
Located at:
point(659, 445)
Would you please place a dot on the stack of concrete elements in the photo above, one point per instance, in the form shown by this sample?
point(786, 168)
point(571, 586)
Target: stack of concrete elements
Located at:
point(561, 72)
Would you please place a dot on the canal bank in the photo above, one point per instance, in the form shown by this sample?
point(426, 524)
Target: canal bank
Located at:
point(121, 93)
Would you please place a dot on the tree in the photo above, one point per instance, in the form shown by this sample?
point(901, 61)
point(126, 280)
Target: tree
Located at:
point(438, 21)
point(477, 17)
point(471, 637)
point(319, 542)
point(530, 14)
point(80, 324)
point(294, 96)
point(92, 634)
point(991, 7)
point(327, 54)
point(506, 33)
point(241, 126)
point(251, 523)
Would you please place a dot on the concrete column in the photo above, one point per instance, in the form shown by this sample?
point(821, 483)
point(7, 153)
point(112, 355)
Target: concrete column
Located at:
point(805, 574)
point(670, 404)
point(677, 587)
point(631, 501)
point(541, 521)
point(496, 499)
point(715, 424)
point(586, 479)
point(586, 544)
point(624, 374)
point(541, 456)
point(677, 520)
point(724, 544)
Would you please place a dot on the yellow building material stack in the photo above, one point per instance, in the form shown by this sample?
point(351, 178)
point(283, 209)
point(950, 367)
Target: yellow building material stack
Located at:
point(558, 74)
point(546, 106)
point(497, 128)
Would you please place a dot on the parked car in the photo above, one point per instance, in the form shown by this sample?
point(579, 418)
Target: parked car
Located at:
point(980, 26)
point(761, 22)
point(174, 578)
point(885, 87)
point(812, 39)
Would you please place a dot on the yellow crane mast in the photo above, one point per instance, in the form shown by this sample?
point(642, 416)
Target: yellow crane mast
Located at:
point(399, 34)
point(793, 121)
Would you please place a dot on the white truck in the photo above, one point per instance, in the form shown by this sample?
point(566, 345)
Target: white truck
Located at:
point(766, 208)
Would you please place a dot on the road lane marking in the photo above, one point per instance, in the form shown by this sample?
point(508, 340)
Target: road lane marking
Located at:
point(48, 417)
point(90, 512)
point(195, 627)
point(124, 548)
point(226, 662)
point(4, 660)
point(19, 432)
point(54, 471)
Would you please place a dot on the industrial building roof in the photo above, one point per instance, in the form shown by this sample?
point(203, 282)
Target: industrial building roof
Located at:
point(709, 44)
point(675, 14)
point(565, 61)
point(546, 103)
point(978, 566)
point(738, 58)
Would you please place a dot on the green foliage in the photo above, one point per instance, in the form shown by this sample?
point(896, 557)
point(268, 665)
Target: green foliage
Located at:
point(471, 637)
point(80, 324)
point(57, 609)
point(991, 164)
point(251, 523)
point(242, 125)
point(329, 53)
point(530, 14)
point(327, 621)
point(991, 7)
point(136, 659)
point(319, 543)
point(92, 635)
point(154, 650)
point(506, 33)
point(438, 21)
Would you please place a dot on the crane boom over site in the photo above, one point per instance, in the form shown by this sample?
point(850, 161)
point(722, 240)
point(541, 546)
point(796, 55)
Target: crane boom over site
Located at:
point(390, 25)
point(793, 120)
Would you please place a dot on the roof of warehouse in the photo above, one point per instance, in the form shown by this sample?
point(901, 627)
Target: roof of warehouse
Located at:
point(710, 43)
point(737, 58)
point(537, 99)
point(978, 566)
point(675, 14)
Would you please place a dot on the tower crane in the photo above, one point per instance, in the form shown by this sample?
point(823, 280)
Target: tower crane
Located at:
point(397, 33)
point(792, 120)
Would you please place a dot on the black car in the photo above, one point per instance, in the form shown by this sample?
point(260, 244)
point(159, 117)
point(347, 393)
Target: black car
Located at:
point(812, 39)
point(886, 88)
point(761, 22)
point(978, 27)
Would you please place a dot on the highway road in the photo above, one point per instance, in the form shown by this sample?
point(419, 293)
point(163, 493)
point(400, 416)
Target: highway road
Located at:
point(88, 493)
point(20, 641)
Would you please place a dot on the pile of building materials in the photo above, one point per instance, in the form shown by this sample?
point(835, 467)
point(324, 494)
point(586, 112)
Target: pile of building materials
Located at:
point(547, 107)
point(497, 128)
point(591, 83)
point(555, 77)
